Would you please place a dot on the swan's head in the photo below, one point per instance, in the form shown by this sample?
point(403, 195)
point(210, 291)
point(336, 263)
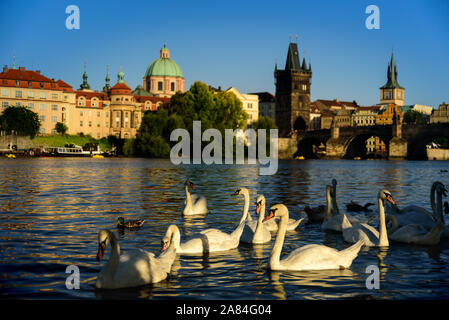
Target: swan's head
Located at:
point(241, 191)
point(260, 201)
point(386, 195)
point(103, 241)
point(334, 182)
point(189, 184)
point(276, 211)
point(120, 222)
point(440, 188)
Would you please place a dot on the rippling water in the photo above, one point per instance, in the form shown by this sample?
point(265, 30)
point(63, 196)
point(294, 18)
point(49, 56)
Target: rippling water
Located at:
point(52, 209)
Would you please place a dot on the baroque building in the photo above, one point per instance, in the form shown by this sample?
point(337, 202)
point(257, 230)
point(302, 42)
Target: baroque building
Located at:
point(293, 93)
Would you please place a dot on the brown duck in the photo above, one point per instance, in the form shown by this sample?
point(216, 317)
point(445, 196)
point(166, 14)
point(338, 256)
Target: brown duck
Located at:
point(131, 224)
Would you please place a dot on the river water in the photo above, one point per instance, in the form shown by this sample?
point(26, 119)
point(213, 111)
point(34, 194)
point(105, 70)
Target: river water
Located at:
point(51, 210)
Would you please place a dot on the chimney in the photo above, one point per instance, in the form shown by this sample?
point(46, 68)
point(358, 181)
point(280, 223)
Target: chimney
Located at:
point(38, 71)
point(5, 68)
point(21, 68)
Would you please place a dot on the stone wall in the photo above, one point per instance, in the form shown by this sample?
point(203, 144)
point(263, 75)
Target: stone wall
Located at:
point(398, 149)
point(20, 141)
point(287, 147)
point(438, 154)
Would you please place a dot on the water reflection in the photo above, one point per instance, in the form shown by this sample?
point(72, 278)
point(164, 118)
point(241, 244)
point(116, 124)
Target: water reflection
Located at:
point(52, 209)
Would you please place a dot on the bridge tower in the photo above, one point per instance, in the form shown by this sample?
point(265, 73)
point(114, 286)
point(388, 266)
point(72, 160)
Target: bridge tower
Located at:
point(292, 94)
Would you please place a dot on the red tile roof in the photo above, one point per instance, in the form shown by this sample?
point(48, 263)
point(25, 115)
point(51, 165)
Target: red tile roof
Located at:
point(121, 88)
point(23, 78)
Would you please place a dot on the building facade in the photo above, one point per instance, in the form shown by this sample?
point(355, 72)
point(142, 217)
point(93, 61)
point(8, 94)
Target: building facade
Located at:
point(441, 115)
point(267, 103)
point(365, 116)
point(250, 104)
point(293, 94)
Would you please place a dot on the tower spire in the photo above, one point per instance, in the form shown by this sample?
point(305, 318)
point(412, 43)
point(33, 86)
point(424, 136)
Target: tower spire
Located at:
point(84, 85)
point(107, 86)
point(14, 62)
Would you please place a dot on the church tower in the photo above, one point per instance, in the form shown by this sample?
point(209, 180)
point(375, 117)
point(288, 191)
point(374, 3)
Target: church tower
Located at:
point(392, 92)
point(292, 94)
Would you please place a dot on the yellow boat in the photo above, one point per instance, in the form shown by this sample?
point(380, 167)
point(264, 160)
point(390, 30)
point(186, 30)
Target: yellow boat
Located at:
point(10, 155)
point(357, 158)
point(98, 156)
point(300, 158)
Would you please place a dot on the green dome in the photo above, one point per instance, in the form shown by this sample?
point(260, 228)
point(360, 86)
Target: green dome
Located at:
point(164, 67)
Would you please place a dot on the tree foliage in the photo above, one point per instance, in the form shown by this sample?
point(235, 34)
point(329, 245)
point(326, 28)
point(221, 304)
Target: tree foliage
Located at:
point(61, 128)
point(21, 120)
point(219, 110)
point(413, 116)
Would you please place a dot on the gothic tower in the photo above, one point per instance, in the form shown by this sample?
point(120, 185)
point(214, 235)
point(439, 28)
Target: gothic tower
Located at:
point(392, 92)
point(292, 94)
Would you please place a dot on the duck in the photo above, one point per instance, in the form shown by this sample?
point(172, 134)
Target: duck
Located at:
point(194, 204)
point(255, 231)
point(131, 224)
point(308, 257)
point(355, 207)
point(362, 231)
point(273, 224)
point(132, 269)
point(414, 233)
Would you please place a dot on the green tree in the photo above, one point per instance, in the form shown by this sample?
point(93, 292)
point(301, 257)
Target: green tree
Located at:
point(413, 116)
point(264, 123)
point(21, 120)
point(61, 128)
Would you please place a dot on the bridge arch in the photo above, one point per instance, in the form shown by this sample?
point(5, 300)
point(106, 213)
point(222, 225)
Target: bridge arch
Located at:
point(356, 146)
point(300, 124)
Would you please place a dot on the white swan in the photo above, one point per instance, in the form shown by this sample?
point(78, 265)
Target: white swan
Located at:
point(418, 215)
point(365, 232)
point(209, 240)
point(132, 269)
point(414, 233)
point(273, 224)
point(245, 193)
point(255, 231)
point(318, 214)
point(308, 257)
point(194, 204)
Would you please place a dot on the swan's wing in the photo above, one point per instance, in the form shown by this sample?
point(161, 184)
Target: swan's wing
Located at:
point(133, 269)
point(413, 217)
point(408, 233)
point(199, 204)
point(312, 257)
point(218, 240)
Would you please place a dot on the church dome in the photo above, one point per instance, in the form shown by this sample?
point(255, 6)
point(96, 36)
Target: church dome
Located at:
point(164, 66)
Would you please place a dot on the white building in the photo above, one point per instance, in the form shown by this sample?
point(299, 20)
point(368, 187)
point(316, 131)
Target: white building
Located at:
point(250, 104)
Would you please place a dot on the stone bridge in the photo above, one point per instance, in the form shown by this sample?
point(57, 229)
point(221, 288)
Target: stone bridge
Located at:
point(407, 141)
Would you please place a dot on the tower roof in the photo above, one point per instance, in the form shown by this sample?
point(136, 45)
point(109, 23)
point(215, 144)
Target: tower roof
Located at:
point(392, 74)
point(164, 66)
point(292, 62)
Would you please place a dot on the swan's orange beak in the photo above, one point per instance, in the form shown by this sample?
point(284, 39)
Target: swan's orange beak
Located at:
point(191, 184)
point(390, 199)
point(100, 252)
point(269, 216)
point(258, 207)
point(164, 246)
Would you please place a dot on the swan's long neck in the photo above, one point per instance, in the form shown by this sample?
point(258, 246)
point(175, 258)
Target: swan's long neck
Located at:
point(188, 198)
point(334, 199)
point(432, 201)
point(277, 248)
point(110, 268)
point(259, 227)
point(174, 236)
point(245, 208)
point(383, 236)
point(439, 207)
point(329, 204)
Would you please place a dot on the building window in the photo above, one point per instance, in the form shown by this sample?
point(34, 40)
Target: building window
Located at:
point(30, 94)
point(18, 94)
point(399, 95)
point(387, 95)
point(42, 118)
point(42, 106)
point(98, 113)
point(30, 105)
point(53, 131)
point(5, 93)
point(65, 98)
point(159, 85)
point(42, 130)
point(54, 107)
point(54, 118)
point(90, 123)
point(42, 84)
point(107, 124)
point(54, 96)
point(81, 123)
point(5, 104)
point(304, 87)
point(17, 83)
point(42, 95)
point(107, 114)
point(98, 135)
point(172, 86)
point(81, 113)
point(90, 113)
point(250, 105)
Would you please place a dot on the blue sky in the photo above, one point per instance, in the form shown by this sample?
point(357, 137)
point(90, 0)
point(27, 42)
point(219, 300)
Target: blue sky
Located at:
point(237, 43)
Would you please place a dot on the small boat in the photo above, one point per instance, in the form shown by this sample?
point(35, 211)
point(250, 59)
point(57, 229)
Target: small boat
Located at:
point(10, 155)
point(98, 156)
point(357, 158)
point(71, 150)
point(300, 158)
